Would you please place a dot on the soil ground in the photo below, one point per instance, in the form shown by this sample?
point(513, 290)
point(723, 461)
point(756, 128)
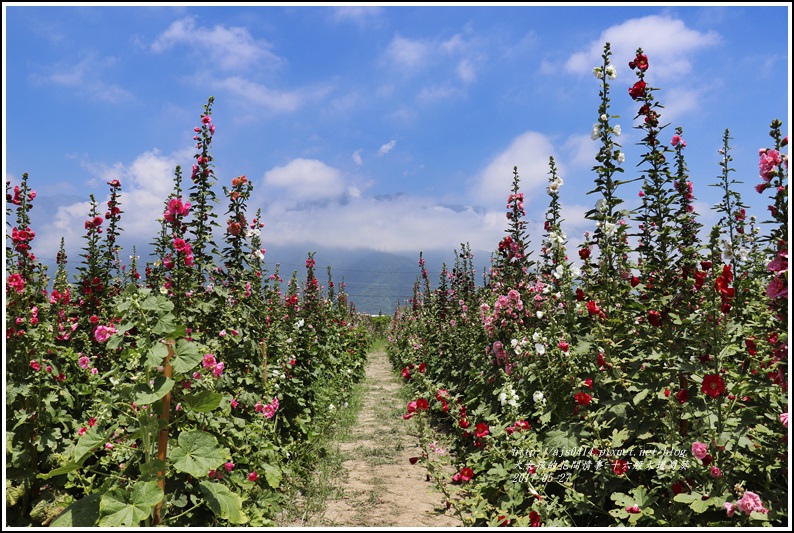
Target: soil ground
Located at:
point(378, 487)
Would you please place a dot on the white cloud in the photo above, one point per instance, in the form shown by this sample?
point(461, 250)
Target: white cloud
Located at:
point(408, 53)
point(228, 48)
point(83, 77)
point(466, 71)
point(306, 179)
point(145, 184)
point(267, 98)
point(363, 16)
point(530, 152)
point(357, 158)
point(386, 148)
point(666, 41)
point(437, 93)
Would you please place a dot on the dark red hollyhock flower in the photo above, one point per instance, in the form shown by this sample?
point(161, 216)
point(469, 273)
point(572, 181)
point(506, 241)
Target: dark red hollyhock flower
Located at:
point(620, 466)
point(751, 347)
point(584, 253)
point(413, 460)
point(503, 520)
point(421, 404)
point(481, 430)
point(635, 281)
point(707, 459)
point(422, 368)
point(705, 265)
point(640, 62)
point(406, 373)
point(563, 346)
point(655, 318)
point(534, 519)
point(582, 398)
point(713, 385)
point(592, 308)
point(637, 90)
point(579, 295)
point(682, 396)
point(464, 423)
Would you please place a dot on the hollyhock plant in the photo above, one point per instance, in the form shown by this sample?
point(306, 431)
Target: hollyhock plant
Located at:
point(699, 449)
point(713, 385)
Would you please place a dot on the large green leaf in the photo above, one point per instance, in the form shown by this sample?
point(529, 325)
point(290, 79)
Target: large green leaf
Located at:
point(224, 503)
point(156, 355)
point(165, 325)
point(65, 469)
point(186, 357)
point(203, 402)
point(83, 513)
point(146, 394)
point(129, 507)
point(197, 453)
point(272, 475)
point(89, 442)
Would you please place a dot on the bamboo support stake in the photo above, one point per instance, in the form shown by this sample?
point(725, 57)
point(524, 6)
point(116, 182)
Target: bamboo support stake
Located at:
point(162, 438)
point(263, 346)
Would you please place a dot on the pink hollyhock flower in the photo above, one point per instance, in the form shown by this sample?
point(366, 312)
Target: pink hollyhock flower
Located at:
point(769, 160)
point(234, 403)
point(784, 418)
point(253, 476)
point(82, 431)
point(633, 509)
point(750, 502)
point(229, 466)
point(269, 411)
point(777, 288)
point(209, 361)
point(258, 408)
point(699, 449)
point(779, 263)
point(729, 508)
point(678, 140)
point(103, 333)
point(35, 365)
point(16, 282)
point(715, 472)
point(206, 119)
point(218, 370)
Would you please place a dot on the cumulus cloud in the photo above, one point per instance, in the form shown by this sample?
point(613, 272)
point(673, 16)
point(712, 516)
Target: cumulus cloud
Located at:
point(363, 16)
point(667, 41)
point(530, 152)
point(408, 53)
point(146, 182)
point(228, 48)
point(306, 179)
point(386, 148)
point(357, 158)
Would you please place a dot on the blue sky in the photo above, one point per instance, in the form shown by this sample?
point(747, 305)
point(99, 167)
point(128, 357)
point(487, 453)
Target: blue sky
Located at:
point(386, 127)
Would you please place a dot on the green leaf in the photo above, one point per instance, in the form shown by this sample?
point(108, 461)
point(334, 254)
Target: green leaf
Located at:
point(186, 357)
point(158, 303)
point(156, 355)
point(146, 394)
point(197, 453)
point(224, 503)
point(65, 469)
point(640, 396)
point(204, 401)
point(83, 513)
point(87, 443)
point(272, 475)
point(560, 440)
point(128, 508)
point(165, 325)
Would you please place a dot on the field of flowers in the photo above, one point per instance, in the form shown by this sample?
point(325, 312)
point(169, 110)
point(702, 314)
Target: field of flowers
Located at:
point(640, 380)
point(188, 391)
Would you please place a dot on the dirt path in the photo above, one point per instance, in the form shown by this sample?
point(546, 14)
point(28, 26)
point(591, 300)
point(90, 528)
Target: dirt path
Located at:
point(379, 487)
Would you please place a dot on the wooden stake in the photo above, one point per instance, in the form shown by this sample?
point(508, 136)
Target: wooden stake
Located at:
point(162, 438)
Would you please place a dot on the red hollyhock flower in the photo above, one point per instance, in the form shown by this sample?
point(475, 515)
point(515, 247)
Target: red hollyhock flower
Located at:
point(422, 368)
point(713, 385)
point(481, 430)
point(682, 396)
point(655, 318)
point(521, 425)
point(640, 62)
point(637, 90)
point(534, 519)
point(406, 373)
point(463, 423)
point(592, 308)
point(620, 467)
point(442, 395)
point(588, 383)
point(563, 346)
point(503, 520)
point(413, 460)
point(634, 509)
point(582, 398)
point(421, 404)
point(466, 474)
point(635, 281)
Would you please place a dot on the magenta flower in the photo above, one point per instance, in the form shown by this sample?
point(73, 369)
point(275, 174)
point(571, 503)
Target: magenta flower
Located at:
point(699, 449)
point(784, 418)
point(103, 333)
point(209, 361)
point(715, 472)
point(253, 476)
point(228, 466)
point(769, 160)
point(777, 289)
point(729, 508)
point(16, 282)
point(234, 403)
point(84, 362)
point(217, 370)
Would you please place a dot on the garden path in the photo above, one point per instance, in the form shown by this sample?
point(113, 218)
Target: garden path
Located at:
point(379, 487)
